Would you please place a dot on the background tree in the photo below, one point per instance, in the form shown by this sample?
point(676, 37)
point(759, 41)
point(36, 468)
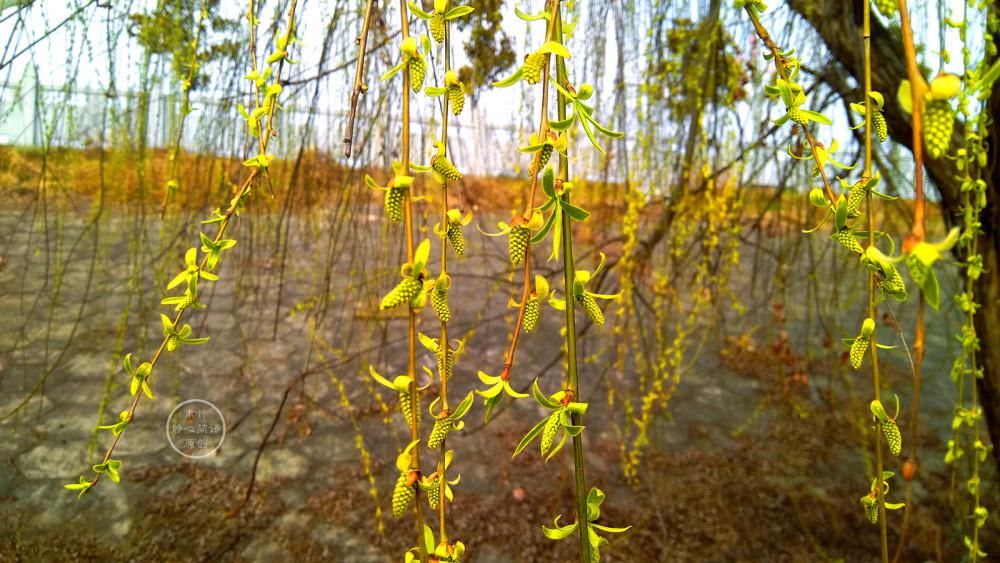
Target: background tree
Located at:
point(835, 21)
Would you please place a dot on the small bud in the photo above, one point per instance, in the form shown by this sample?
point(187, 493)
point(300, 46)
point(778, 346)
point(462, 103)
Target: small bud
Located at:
point(867, 328)
point(409, 47)
point(887, 7)
point(818, 198)
point(945, 86)
point(878, 410)
point(585, 91)
point(870, 503)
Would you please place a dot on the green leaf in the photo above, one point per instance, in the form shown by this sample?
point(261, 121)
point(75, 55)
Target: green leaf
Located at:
point(558, 446)
point(590, 134)
point(511, 80)
point(487, 378)
point(595, 541)
point(565, 93)
point(540, 235)
point(112, 469)
point(457, 12)
point(549, 182)
point(605, 131)
point(531, 148)
point(573, 430)
point(177, 280)
point(146, 390)
point(418, 12)
point(464, 406)
point(817, 117)
point(405, 457)
point(421, 255)
point(168, 325)
point(491, 403)
point(83, 486)
point(932, 290)
point(595, 498)
point(786, 92)
point(434, 91)
point(491, 392)
point(510, 391)
point(261, 161)
point(394, 70)
point(878, 410)
point(841, 214)
point(531, 435)
point(562, 125)
point(556, 49)
point(558, 532)
point(428, 539)
point(610, 529)
point(541, 399)
point(575, 212)
point(430, 343)
point(905, 96)
point(531, 17)
point(378, 377)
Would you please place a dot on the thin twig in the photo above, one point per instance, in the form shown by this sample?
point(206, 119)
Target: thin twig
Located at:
point(359, 78)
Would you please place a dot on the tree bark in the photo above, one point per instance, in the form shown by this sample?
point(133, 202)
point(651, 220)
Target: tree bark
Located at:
point(837, 23)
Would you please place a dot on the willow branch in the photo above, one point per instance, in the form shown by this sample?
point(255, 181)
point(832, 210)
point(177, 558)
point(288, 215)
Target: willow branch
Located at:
point(359, 78)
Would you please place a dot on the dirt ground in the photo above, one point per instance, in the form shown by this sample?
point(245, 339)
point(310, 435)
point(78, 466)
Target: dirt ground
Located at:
point(778, 492)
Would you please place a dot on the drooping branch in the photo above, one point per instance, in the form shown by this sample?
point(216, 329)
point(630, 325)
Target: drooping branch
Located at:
point(833, 21)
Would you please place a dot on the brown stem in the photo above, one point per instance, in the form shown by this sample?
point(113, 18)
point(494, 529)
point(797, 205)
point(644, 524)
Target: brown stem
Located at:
point(359, 78)
point(915, 237)
point(411, 364)
point(918, 88)
point(872, 287)
point(543, 132)
point(185, 107)
point(444, 348)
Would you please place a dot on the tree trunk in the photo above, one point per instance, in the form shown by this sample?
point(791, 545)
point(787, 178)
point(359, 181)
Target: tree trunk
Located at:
point(838, 24)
